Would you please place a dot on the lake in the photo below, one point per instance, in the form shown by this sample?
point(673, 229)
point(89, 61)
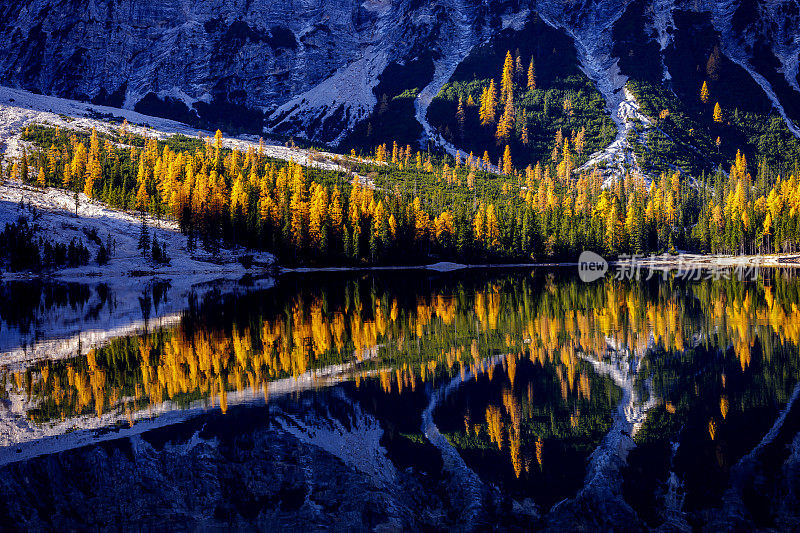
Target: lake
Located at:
point(475, 399)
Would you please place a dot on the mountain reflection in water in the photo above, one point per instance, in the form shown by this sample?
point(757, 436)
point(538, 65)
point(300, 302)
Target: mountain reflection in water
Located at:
point(546, 391)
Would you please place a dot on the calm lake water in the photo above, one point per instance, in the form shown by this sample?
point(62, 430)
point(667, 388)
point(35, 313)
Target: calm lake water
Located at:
point(518, 399)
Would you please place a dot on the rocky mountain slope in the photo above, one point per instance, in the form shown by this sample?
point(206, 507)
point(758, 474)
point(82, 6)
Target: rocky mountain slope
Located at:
point(311, 68)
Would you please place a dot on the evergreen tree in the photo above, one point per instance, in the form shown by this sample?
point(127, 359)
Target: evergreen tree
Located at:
point(24, 166)
point(102, 255)
point(461, 119)
point(144, 239)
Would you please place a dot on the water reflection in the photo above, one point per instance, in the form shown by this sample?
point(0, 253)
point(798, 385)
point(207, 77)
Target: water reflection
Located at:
point(530, 425)
point(701, 368)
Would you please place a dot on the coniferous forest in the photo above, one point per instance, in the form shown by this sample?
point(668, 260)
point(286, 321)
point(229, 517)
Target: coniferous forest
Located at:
point(399, 205)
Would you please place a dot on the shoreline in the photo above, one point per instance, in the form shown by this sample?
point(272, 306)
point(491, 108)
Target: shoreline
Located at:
point(230, 271)
point(658, 262)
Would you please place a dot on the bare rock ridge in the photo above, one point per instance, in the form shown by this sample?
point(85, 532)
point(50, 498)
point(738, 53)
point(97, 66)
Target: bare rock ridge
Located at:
point(310, 68)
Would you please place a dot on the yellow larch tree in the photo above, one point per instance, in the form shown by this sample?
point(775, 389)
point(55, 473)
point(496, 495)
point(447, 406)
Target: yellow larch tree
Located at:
point(492, 226)
point(531, 76)
point(488, 109)
point(479, 223)
point(299, 211)
point(718, 113)
point(506, 123)
point(142, 196)
point(335, 212)
point(507, 77)
point(318, 213)
point(704, 93)
point(444, 227)
point(508, 166)
point(239, 196)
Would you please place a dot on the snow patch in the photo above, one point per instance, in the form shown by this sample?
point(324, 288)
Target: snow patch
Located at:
point(20, 109)
point(127, 275)
point(446, 267)
point(22, 439)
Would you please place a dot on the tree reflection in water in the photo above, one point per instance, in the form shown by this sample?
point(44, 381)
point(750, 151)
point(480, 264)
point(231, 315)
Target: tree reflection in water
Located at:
point(715, 359)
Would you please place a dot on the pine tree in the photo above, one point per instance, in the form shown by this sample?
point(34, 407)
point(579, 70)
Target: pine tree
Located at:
point(144, 239)
point(356, 242)
point(461, 119)
point(24, 166)
point(347, 243)
point(102, 255)
point(41, 181)
point(156, 249)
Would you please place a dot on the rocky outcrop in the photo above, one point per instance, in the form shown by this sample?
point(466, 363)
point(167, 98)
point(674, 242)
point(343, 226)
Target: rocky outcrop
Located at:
point(310, 67)
point(240, 470)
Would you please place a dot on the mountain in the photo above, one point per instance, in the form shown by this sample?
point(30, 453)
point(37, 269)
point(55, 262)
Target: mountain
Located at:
point(355, 74)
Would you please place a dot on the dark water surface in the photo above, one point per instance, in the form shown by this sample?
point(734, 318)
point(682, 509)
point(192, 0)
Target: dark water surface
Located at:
point(517, 399)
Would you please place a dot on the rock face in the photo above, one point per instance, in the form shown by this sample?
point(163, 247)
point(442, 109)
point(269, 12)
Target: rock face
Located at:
point(234, 471)
point(309, 67)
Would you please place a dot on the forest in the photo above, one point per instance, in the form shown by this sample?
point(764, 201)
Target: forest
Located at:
point(398, 204)
point(409, 206)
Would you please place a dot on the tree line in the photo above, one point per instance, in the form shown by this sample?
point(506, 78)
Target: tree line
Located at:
point(405, 206)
